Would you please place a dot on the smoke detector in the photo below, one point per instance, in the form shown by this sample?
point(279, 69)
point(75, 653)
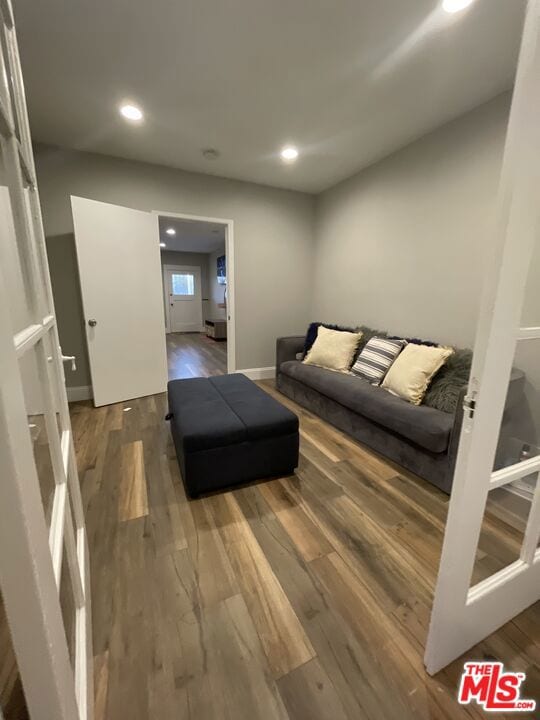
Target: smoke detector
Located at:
point(210, 154)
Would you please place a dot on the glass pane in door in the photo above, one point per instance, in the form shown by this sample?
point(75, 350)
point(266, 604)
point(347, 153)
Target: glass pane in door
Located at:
point(67, 603)
point(9, 83)
point(183, 284)
point(530, 312)
point(17, 280)
point(519, 432)
point(502, 532)
point(12, 702)
point(508, 506)
point(42, 442)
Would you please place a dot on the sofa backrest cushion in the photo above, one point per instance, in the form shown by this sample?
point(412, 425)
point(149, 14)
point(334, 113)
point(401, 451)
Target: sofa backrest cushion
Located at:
point(415, 341)
point(367, 334)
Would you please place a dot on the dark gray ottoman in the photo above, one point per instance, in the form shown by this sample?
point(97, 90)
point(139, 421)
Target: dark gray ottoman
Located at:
point(227, 431)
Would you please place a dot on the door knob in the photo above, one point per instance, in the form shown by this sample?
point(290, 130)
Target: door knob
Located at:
point(92, 323)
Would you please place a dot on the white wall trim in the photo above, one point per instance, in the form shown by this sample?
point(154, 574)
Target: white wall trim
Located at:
point(262, 373)
point(229, 253)
point(80, 392)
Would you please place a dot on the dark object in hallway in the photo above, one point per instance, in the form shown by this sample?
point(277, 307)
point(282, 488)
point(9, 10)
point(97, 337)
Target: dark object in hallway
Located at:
point(216, 329)
point(228, 431)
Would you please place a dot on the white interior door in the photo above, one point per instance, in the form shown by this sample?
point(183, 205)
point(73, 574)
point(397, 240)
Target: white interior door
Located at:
point(465, 609)
point(183, 285)
point(44, 568)
point(120, 273)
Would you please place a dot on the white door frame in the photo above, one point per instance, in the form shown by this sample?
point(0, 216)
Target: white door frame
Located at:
point(229, 253)
point(463, 615)
point(196, 270)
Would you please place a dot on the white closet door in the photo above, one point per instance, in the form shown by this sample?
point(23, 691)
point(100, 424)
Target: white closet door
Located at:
point(120, 273)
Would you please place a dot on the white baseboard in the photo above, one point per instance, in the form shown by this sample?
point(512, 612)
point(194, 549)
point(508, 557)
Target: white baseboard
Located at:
point(263, 373)
point(82, 392)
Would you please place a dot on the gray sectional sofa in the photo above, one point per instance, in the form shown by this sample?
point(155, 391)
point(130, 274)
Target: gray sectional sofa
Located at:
point(422, 439)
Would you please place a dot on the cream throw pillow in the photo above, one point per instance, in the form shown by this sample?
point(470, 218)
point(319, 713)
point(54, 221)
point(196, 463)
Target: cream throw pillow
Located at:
point(411, 373)
point(333, 349)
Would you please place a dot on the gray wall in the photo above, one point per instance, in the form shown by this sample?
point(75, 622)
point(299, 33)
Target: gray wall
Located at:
point(67, 301)
point(273, 233)
point(400, 246)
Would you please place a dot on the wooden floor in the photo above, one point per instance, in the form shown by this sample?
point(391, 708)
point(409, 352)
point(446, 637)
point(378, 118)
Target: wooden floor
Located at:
point(195, 355)
point(305, 597)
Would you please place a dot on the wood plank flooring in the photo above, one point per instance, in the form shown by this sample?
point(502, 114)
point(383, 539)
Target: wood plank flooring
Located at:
point(301, 598)
point(195, 355)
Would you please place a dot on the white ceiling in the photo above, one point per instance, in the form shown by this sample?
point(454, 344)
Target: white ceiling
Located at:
point(347, 81)
point(191, 235)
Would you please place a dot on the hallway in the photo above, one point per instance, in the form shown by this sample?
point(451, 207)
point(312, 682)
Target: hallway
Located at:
point(195, 355)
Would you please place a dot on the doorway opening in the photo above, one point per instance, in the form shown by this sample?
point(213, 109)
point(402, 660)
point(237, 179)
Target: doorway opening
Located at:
point(196, 294)
point(126, 328)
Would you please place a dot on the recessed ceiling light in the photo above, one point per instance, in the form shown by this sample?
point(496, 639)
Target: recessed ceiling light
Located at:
point(454, 6)
point(131, 112)
point(162, 244)
point(289, 153)
point(170, 231)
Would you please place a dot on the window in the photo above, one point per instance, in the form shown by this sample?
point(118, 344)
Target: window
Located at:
point(183, 284)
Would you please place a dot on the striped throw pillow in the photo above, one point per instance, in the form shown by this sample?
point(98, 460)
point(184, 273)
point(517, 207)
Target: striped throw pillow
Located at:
point(376, 358)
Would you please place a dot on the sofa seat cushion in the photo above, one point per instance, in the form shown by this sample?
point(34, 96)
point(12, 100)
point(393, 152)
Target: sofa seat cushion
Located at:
point(425, 426)
point(226, 410)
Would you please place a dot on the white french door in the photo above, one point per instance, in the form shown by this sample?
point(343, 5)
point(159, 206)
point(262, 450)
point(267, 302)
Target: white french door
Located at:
point(44, 568)
point(120, 272)
point(184, 301)
point(467, 609)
